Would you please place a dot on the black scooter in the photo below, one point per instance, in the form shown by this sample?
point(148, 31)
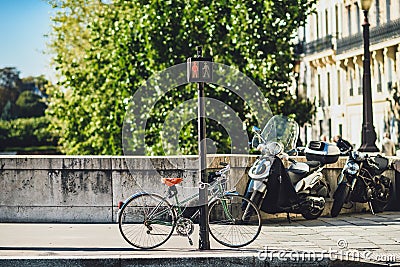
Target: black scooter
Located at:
point(301, 188)
point(361, 180)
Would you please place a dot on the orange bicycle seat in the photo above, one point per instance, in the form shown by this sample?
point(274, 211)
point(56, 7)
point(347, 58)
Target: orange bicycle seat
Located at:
point(171, 181)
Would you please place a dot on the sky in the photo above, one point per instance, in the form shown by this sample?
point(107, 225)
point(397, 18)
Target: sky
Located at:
point(23, 24)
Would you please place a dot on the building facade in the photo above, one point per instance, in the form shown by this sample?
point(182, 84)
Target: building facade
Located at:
point(331, 68)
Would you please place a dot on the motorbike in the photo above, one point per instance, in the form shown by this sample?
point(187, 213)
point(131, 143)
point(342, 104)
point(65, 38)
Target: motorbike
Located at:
point(361, 180)
point(298, 188)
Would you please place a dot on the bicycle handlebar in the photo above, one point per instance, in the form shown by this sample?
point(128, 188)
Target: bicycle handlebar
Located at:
point(372, 163)
point(225, 169)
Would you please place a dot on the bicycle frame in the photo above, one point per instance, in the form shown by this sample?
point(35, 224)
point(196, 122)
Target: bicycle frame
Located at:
point(177, 208)
point(147, 220)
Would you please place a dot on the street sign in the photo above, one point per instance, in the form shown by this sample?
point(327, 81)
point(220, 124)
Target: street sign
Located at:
point(199, 69)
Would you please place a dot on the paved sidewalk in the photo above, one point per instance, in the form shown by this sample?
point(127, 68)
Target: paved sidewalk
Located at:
point(357, 239)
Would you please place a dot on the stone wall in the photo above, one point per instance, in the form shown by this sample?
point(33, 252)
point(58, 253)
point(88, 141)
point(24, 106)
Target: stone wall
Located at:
point(88, 188)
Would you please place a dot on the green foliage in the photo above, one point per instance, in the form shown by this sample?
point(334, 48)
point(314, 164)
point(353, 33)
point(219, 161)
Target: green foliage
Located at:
point(22, 121)
point(25, 132)
point(10, 87)
point(104, 52)
point(9, 111)
point(40, 82)
point(30, 105)
point(21, 98)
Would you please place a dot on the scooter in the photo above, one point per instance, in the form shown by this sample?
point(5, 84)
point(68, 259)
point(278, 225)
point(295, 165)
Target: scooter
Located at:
point(298, 188)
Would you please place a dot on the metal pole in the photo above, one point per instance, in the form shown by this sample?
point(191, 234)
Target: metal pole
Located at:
point(368, 135)
point(204, 241)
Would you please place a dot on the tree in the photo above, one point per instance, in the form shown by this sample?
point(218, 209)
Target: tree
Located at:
point(104, 52)
point(36, 83)
point(9, 112)
point(30, 105)
point(10, 87)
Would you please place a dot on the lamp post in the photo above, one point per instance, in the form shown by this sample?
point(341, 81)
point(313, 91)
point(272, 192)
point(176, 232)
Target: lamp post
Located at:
point(368, 135)
point(296, 71)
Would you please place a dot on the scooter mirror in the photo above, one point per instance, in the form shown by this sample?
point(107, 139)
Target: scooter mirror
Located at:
point(256, 129)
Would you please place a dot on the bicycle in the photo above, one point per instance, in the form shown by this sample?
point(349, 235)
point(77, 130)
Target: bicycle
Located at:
point(147, 220)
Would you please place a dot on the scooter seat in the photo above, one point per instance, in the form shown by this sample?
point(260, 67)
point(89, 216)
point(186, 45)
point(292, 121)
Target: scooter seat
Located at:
point(171, 181)
point(295, 177)
point(314, 165)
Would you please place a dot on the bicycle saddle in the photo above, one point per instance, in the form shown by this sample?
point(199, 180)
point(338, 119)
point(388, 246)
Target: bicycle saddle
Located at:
point(171, 181)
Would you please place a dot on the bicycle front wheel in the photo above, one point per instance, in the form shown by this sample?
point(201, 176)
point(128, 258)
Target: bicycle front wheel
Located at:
point(234, 220)
point(147, 221)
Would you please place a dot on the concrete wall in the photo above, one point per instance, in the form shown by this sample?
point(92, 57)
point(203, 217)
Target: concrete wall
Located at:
point(88, 188)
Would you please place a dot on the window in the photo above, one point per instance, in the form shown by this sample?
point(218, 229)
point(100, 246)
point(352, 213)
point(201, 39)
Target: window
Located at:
point(337, 21)
point(340, 129)
point(317, 24)
point(326, 23)
point(329, 88)
point(351, 82)
point(358, 18)
point(379, 82)
point(321, 102)
point(378, 12)
point(387, 10)
point(390, 70)
point(338, 88)
point(349, 19)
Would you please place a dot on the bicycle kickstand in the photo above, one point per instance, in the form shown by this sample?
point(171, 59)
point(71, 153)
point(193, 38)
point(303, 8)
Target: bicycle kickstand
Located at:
point(190, 240)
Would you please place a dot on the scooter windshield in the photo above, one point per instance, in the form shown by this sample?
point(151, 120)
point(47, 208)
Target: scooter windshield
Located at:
point(283, 130)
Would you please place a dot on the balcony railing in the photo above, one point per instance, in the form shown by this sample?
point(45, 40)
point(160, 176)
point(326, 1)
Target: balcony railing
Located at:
point(378, 34)
point(349, 43)
point(319, 45)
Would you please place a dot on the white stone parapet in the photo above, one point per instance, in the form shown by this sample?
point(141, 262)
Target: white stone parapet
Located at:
point(88, 188)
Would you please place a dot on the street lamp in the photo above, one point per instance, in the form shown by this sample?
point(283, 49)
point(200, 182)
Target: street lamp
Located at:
point(368, 135)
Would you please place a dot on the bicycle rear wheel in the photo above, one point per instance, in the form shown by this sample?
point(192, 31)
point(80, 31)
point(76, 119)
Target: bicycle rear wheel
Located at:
point(147, 221)
point(234, 220)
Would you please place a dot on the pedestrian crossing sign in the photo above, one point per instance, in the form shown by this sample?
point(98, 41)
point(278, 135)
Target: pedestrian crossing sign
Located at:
point(199, 69)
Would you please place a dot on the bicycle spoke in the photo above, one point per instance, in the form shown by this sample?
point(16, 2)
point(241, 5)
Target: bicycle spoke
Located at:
point(226, 221)
point(147, 221)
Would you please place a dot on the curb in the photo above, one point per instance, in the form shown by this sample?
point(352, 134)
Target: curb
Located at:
point(206, 260)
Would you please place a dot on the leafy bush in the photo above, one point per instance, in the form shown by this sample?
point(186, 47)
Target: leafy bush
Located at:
point(30, 105)
point(25, 132)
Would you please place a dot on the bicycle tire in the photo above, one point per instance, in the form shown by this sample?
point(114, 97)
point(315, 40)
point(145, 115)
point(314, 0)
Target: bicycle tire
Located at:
point(229, 225)
point(147, 221)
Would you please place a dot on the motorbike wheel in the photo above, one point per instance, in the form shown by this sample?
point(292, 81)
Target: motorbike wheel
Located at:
point(312, 214)
point(340, 197)
point(379, 204)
